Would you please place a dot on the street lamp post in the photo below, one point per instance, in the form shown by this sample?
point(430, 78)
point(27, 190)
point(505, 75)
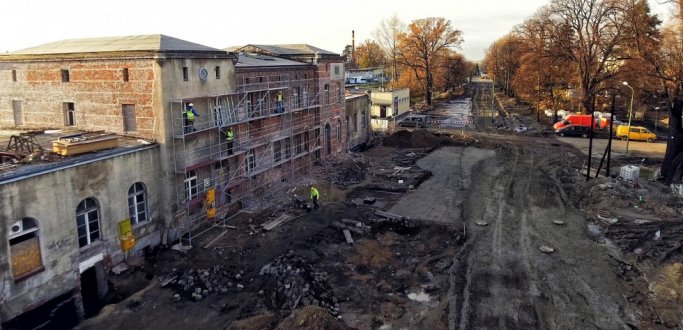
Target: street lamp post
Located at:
point(630, 113)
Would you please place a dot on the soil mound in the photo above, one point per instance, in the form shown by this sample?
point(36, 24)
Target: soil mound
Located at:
point(311, 317)
point(413, 139)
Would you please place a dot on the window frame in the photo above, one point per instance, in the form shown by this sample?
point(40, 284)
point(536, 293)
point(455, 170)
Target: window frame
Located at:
point(33, 230)
point(69, 114)
point(66, 75)
point(134, 211)
point(191, 191)
point(86, 212)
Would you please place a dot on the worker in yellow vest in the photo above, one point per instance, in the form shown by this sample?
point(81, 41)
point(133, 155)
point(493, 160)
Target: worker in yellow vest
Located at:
point(230, 137)
point(315, 195)
point(280, 109)
point(189, 115)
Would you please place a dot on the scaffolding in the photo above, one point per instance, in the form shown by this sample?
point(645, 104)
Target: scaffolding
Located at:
point(269, 136)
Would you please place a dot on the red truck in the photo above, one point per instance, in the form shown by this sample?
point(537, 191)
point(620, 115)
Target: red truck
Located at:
point(581, 120)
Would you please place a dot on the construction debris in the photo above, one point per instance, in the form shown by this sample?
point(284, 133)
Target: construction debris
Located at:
point(481, 223)
point(347, 236)
point(546, 249)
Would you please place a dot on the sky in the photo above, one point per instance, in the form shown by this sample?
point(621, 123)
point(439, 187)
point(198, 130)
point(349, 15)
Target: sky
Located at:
point(221, 24)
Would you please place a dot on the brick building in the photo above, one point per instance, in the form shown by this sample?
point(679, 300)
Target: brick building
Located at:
point(283, 104)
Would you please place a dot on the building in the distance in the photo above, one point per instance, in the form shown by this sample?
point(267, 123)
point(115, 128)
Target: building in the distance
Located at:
point(387, 105)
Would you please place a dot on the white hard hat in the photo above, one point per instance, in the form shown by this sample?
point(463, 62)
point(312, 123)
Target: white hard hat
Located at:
point(190, 105)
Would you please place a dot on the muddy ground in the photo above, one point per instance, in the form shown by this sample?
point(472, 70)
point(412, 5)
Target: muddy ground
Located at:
point(496, 231)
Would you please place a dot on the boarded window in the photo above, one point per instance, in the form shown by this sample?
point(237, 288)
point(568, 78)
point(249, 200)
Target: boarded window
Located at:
point(24, 247)
point(18, 113)
point(65, 75)
point(129, 118)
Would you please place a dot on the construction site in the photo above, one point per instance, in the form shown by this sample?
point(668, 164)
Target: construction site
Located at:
point(172, 220)
point(465, 229)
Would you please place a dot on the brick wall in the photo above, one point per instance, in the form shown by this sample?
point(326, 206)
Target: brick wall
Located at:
point(97, 89)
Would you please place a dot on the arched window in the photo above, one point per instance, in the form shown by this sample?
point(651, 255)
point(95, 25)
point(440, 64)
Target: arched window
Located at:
point(88, 221)
point(137, 203)
point(24, 247)
point(339, 133)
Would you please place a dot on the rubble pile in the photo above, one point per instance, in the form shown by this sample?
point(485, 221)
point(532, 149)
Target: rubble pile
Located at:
point(348, 172)
point(289, 281)
point(201, 283)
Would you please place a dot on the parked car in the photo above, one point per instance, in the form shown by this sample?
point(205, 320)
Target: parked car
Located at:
point(635, 133)
point(574, 130)
point(520, 129)
point(413, 121)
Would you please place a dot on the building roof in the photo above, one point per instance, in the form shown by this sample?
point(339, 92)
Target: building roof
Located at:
point(37, 166)
point(152, 42)
point(247, 60)
point(290, 50)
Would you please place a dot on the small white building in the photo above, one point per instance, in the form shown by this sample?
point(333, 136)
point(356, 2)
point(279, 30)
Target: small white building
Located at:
point(386, 105)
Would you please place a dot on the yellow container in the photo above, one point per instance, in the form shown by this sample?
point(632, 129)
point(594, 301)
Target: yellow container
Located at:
point(127, 243)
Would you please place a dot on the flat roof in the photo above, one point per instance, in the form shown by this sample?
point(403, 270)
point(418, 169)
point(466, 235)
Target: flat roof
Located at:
point(44, 139)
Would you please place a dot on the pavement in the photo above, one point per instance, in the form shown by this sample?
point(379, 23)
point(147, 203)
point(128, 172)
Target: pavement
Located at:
point(645, 149)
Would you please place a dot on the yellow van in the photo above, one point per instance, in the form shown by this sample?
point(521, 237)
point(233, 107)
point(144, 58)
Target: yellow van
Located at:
point(636, 133)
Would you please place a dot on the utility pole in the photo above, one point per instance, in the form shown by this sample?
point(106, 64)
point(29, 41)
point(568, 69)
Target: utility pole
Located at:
point(630, 114)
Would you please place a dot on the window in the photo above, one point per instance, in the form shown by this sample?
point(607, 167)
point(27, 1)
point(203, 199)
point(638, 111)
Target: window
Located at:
point(298, 144)
point(88, 222)
point(69, 114)
point(14, 75)
point(277, 151)
point(327, 94)
point(125, 74)
point(191, 189)
point(65, 75)
point(287, 145)
point(355, 122)
point(129, 118)
point(24, 249)
point(362, 119)
point(217, 70)
point(348, 130)
point(137, 203)
point(251, 161)
point(339, 134)
point(18, 112)
point(186, 75)
point(246, 80)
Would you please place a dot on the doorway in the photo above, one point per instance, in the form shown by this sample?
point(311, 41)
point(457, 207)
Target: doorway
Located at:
point(90, 292)
point(328, 139)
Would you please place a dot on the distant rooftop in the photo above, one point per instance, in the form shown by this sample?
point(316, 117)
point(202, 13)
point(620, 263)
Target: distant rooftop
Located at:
point(10, 172)
point(152, 42)
point(289, 50)
point(257, 60)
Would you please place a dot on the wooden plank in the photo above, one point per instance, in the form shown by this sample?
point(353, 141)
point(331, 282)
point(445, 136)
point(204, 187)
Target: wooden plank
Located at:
point(347, 236)
point(25, 256)
point(215, 239)
point(389, 215)
point(272, 224)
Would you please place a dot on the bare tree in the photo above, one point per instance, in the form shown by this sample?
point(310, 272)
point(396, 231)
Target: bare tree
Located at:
point(424, 45)
point(386, 36)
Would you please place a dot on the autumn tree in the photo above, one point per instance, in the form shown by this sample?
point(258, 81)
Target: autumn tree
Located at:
point(422, 47)
point(369, 55)
point(503, 60)
point(386, 36)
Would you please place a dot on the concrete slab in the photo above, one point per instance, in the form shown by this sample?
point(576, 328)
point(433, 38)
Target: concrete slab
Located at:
point(440, 198)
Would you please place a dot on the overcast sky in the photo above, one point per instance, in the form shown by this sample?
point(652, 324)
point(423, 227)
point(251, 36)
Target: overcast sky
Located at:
point(220, 24)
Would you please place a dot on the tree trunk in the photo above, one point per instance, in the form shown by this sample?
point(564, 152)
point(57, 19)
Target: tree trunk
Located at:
point(672, 168)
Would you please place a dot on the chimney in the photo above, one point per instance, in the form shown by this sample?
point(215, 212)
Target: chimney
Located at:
point(353, 46)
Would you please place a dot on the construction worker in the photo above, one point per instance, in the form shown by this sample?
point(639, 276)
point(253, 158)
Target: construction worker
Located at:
point(190, 115)
point(314, 196)
point(280, 109)
point(230, 137)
